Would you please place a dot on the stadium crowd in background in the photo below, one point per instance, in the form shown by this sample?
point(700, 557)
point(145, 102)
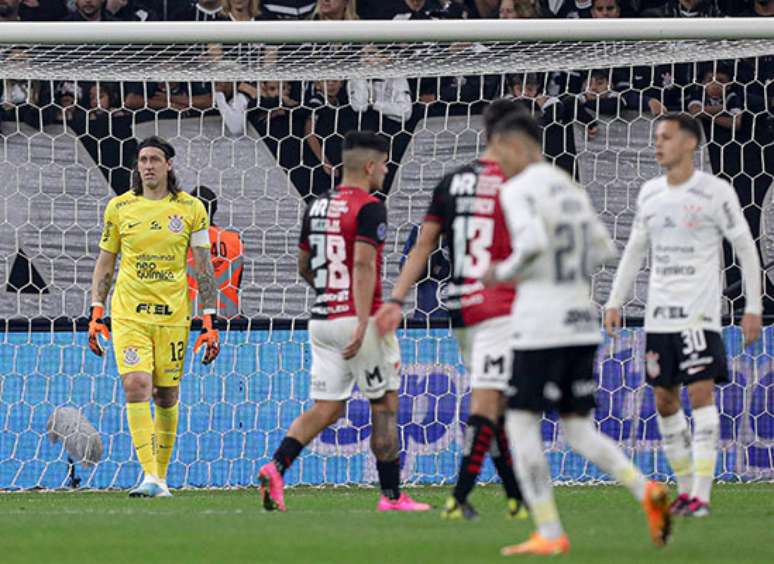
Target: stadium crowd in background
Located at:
point(303, 123)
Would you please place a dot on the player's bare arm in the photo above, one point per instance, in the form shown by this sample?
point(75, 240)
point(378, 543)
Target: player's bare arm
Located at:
point(102, 279)
point(101, 282)
point(208, 290)
point(389, 314)
point(305, 267)
point(747, 254)
point(205, 277)
point(363, 283)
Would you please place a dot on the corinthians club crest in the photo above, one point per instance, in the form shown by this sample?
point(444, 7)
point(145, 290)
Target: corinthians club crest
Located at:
point(131, 356)
point(652, 367)
point(175, 223)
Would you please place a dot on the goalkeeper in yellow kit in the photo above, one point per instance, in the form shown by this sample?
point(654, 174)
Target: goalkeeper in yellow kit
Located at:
point(152, 226)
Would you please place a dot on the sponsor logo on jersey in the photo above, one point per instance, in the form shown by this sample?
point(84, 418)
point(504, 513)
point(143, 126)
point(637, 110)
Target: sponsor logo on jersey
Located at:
point(106, 231)
point(154, 309)
point(669, 223)
point(148, 270)
point(154, 226)
point(692, 219)
point(675, 270)
point(652, 366)
point(176, 224)
point(670, 312)
point(131, 356)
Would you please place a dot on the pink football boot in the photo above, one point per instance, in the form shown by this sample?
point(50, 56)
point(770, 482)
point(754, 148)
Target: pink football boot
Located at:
point(272, 487)
point(403, 503)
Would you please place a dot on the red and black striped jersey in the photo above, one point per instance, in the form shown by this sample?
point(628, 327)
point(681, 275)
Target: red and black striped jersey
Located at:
point(331, 226)
point(467, 206)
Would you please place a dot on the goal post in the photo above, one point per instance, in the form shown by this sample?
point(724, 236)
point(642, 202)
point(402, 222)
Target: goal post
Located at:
point(256, 112)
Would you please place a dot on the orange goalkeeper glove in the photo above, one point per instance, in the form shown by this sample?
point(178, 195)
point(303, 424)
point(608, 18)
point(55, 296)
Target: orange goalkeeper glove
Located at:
point(97, 327)
point(209, 337)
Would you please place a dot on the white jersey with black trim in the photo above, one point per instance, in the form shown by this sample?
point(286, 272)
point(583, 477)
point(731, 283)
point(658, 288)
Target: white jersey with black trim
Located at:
point(558, 242)
point(683, 227)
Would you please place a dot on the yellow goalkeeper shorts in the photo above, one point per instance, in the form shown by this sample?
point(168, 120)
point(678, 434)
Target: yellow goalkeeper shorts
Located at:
point(155, 349)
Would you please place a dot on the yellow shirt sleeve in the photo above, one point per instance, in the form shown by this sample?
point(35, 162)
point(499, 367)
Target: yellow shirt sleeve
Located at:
point(111, 238)
point(200, 222)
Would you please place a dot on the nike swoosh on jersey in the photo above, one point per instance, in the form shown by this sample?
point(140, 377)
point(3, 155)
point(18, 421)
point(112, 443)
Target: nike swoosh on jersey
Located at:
point(133, 225)
point(695, 370)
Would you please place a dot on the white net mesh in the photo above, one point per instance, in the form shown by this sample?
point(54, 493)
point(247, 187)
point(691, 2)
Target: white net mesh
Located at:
point(264, 145)
point(289, 61)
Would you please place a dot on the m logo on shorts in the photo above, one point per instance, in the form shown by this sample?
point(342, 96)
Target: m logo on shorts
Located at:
point(131, 356)
point(375, 375)
point(175, 223)
point(652, 367)
point(498, 363)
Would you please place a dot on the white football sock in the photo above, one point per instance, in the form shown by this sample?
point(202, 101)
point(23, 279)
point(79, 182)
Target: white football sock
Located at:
point(598, 448)
point(523, 429)
point(706, 429)
point(676, 442)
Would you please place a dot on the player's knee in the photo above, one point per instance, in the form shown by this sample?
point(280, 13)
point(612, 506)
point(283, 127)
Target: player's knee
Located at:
point(486, 403)
point(137, 386)
point(330, 411)
point(166, 397)
point(701, 393)
point(667, 401)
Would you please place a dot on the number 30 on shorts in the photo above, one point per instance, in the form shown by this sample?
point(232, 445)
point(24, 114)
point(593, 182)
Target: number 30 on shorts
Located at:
point(694, 340)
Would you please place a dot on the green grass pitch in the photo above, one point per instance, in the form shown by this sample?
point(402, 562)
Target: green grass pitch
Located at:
point(341, 526)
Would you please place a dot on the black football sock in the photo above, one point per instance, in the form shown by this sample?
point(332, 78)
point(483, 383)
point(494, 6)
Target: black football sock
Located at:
point(287, 452)
point(478, 438)
point(501, 456)
point(389, 478)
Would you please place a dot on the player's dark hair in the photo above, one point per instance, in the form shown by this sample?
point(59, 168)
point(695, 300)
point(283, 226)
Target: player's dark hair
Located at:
point(208, 198)
point(685, 122)
point(496, 111)
point(365, 140)
point(519, 121)
point(169, 152)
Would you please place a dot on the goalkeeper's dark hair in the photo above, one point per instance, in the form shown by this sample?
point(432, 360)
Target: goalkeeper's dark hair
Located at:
point(685, 122)
point(518, 122)
point(367, 140)
point(208, 198)
point(496, 112)
point(169, 152)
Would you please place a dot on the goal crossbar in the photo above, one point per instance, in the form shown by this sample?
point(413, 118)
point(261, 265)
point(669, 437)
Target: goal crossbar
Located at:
point(357, 49)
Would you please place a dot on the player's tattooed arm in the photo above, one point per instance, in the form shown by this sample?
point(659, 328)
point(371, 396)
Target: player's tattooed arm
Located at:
point(205, 277)
point(102, 279)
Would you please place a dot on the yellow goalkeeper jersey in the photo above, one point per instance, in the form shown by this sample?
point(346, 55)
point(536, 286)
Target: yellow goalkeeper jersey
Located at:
point(152, 237)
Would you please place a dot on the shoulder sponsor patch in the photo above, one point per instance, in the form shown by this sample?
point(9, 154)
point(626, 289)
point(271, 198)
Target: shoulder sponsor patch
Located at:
point(381, 231)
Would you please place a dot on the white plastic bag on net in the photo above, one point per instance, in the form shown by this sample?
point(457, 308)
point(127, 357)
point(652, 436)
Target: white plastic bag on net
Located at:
point(79, 437)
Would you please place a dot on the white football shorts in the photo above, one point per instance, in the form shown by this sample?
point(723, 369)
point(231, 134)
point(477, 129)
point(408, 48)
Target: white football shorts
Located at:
point(486, 352)
point(375, 368)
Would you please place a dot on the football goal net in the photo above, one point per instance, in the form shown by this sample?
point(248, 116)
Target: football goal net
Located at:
point(257, 113)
